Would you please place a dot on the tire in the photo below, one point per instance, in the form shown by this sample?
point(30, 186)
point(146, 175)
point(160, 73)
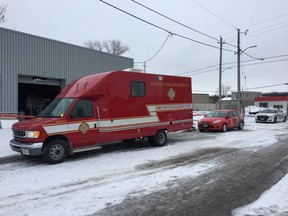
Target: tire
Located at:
point(275, 120)
point(160, 139)
point(284, 119)
point(55, 151)
point(241, 126)
point(224, 127)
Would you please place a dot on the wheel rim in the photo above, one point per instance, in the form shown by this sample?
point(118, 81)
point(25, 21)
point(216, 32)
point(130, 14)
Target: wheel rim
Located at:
point(56, 152)
point(241, 125)
point(161, 138)
point(224, 128)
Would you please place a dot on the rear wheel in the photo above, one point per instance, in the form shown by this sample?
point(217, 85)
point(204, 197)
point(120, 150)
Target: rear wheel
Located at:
point(224, 127)
point(160, 139)
point(284, 119)
point(55, 151)
point(241, 126)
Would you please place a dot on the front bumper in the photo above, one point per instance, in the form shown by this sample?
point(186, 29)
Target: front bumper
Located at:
point(30, 149)
point(264, 118)
point(209, 127)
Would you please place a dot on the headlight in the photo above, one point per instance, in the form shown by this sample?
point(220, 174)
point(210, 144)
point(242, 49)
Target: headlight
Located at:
point(216, 121)
point(32, 134)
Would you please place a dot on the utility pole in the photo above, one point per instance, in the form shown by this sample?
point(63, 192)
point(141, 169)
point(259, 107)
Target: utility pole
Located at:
point(238, 72)
point(220, 74)
point(145, 66)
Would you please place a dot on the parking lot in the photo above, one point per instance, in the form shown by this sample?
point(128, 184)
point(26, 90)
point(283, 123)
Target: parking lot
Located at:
point(207, 173)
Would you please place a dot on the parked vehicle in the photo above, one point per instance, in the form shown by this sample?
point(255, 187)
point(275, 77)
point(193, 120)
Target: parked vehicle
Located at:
point(221, 120)
point(102, 108)
point(271, 115)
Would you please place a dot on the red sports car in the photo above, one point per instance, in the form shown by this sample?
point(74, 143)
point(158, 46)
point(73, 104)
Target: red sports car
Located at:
point(221, 120)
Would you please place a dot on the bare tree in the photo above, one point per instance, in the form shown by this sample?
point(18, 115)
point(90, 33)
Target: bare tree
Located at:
point(111, 46)
point(225, 89)
point(96, 45)
point(3, 10)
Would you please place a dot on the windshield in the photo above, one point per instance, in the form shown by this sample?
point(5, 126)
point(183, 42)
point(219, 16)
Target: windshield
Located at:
point(268, 111)
point(216, 114)
point(57, 107)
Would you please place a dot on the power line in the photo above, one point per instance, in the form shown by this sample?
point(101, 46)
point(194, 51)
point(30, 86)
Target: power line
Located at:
point(159, 48)
point(263, 32)
point(161, 28)
point(286, 14)
point(175, 21)
point(268, 86)
point(117, 8)
point(215, 14)
point(199, 71)
point(155, 53)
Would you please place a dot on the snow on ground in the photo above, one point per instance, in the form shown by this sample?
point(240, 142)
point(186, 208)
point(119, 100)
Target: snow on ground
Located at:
point(84, 186)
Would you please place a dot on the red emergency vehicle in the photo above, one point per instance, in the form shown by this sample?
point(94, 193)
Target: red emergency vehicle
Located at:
point(106, 107)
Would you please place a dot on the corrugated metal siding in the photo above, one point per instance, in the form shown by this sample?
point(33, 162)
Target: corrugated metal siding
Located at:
point(25, 54)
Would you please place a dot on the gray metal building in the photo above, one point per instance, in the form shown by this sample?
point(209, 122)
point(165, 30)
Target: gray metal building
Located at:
point(34, 69)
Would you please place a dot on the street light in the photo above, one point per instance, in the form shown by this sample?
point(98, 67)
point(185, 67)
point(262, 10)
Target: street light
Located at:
point(220, 85)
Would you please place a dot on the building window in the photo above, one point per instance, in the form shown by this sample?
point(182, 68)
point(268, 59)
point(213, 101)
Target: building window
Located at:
point(138, 89)
point(278, 106)
point(265, 105)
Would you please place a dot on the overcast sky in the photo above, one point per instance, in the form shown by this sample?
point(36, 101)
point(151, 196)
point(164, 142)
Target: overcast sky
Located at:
point(75, 22)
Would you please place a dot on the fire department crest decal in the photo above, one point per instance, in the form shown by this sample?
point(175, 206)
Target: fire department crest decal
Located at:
point(171, 94)
point(83, 127)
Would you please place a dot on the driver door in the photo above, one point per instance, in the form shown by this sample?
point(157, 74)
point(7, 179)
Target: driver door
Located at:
point(83, 123)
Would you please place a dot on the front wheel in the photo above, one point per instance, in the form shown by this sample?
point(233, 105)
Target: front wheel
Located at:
point(160, 139)
point(224, 127)
point(55, 151)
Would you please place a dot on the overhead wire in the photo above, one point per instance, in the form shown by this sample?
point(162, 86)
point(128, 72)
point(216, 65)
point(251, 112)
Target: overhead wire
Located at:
point(161, 28)
point(227, 23)
point(159, 48)
point(277, 17)
point(193, 40)
point(175, 21)
point(233, 64)
point(268, 86)
point(255, 24)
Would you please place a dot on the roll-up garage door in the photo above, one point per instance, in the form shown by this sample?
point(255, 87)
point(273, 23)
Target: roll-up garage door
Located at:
point(35, 93)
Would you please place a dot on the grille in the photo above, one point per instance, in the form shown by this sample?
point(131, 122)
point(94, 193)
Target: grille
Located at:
point(205, 125)
point(262, 118)
point(19, 134)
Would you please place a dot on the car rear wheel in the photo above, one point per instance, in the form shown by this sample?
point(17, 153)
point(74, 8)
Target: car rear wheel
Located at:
point(55, 151)
point(284, 119)
point(224, 127)
point(241, 126)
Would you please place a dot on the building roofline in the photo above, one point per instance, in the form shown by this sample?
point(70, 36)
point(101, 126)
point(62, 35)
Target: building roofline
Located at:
point(271, 98)
point(61, 42)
